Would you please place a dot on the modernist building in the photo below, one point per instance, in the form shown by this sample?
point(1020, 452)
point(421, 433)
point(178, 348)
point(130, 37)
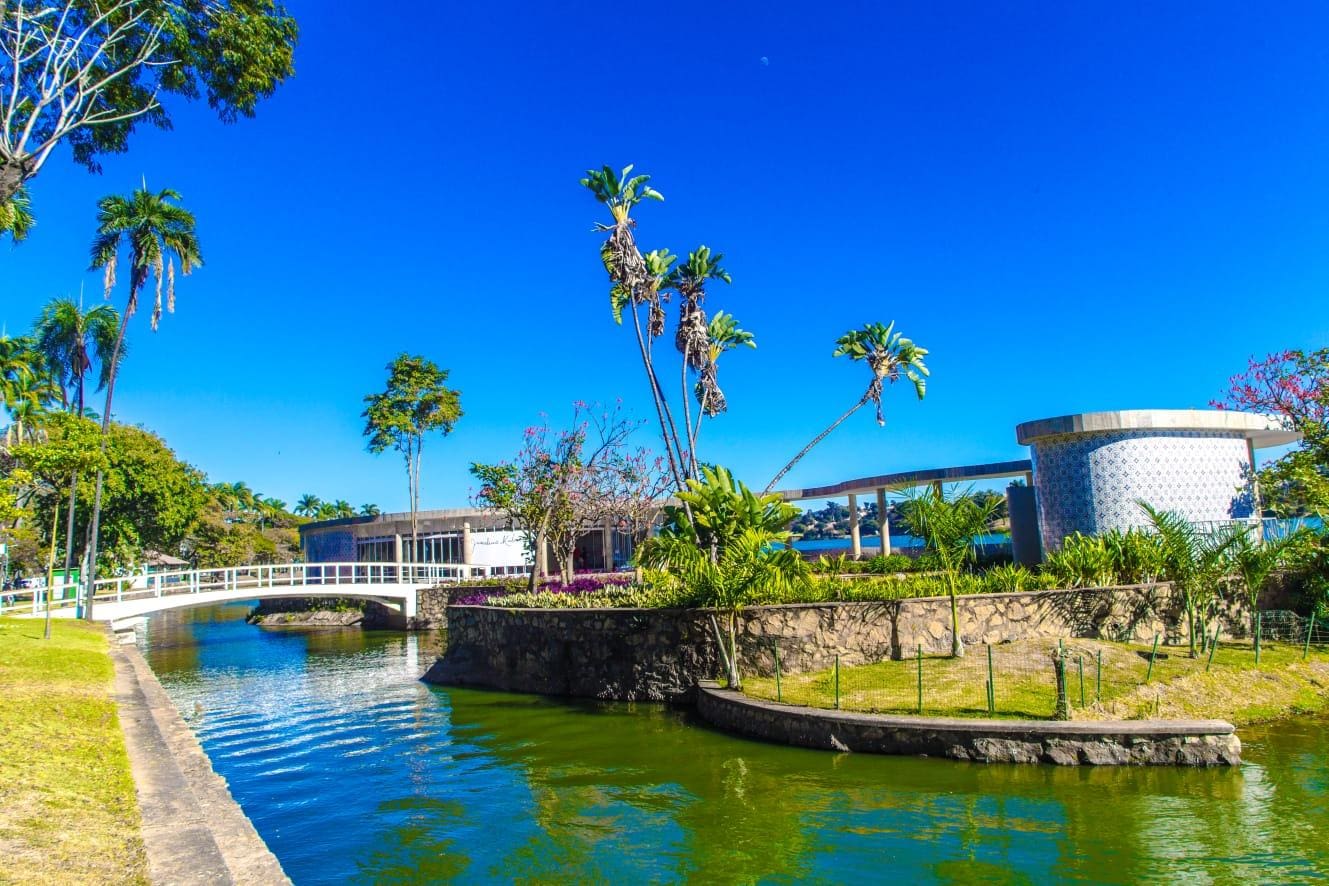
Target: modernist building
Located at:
point(1091, 471)
point(462, 536)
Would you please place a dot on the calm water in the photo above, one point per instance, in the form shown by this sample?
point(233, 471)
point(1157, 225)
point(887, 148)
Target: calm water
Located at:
point(354, 771)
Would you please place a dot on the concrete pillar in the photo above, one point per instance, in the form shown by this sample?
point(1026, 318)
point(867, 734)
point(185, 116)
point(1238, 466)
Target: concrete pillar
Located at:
point(397, 549)
point(607, 535)
point(1029, 479)
point(855, 540)
point(937, 488)
point(885, 524)
point(467, 544)
point(1257, 510)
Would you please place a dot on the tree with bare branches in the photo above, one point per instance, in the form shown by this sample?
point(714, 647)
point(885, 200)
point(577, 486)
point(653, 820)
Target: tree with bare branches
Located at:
point(86, 72)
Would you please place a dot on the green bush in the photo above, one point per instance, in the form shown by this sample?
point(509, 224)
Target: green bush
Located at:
point(891, 564)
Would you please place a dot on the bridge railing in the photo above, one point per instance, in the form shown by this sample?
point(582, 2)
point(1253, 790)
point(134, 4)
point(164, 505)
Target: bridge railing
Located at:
point(257, 578)
point(22, 601)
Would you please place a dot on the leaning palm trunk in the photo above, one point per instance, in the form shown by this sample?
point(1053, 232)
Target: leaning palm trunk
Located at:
point(867, 397)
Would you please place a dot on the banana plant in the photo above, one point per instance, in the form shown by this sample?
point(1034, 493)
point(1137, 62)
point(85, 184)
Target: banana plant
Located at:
point(890, 356)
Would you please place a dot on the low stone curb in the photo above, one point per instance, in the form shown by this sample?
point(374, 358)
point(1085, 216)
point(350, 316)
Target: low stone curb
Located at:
point(1067, 743)
point(193, 830)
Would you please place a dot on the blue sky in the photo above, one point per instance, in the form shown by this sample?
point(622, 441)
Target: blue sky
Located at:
point(1100, 207)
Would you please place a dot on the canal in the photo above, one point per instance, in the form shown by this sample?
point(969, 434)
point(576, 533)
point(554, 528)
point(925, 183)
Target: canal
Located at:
point(353, 770)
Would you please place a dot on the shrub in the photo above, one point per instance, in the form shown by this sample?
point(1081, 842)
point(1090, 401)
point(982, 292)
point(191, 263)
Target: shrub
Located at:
point(890, 564)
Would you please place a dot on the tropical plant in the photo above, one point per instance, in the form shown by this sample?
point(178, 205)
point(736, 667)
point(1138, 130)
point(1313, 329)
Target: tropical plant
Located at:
point(16, 216)
point(86, 72)
point(72, 341)
point(370, 510)
point(157, 233)
point(948, 527)
point(1082, 561)
point(890, 356)
point(1254, 559)
point(723, 335)
point(308, 505)
point(415, 402)
point(343, 509)
point(725, 544)
point(692, 339)
point(1010, 578)
point(1194, 561)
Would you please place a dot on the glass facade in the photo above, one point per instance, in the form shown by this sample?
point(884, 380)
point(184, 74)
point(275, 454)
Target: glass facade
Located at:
point(437, 548)
point(376, 550)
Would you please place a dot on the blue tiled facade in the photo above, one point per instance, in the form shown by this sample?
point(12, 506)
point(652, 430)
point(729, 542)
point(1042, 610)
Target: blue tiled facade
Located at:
point(1091, 483)
point(330, 547)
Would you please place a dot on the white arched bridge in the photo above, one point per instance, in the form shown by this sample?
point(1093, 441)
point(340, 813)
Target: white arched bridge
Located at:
point(395, 585)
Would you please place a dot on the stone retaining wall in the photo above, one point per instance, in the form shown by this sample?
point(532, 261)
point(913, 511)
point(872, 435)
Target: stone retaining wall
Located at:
point(1111, 743)
point(660, 654)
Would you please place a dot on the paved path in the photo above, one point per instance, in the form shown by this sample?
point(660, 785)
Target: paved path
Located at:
point(195, 833)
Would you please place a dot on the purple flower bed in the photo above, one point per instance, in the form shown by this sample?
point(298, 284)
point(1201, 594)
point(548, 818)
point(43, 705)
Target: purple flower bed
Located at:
point(586, 584)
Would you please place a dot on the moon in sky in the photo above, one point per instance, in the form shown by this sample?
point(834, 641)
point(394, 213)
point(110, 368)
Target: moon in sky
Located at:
point(765, 60)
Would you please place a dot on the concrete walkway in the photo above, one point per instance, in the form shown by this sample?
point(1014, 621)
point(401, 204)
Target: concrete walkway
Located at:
point(195, 833)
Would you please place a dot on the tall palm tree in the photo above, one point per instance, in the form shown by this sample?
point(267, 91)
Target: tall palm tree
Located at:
point(343, 508)
point(72, 340)
point(369, 510)
point(26, 387)
point(692, 337)
point(308, 505)
point(157, 234)
point(724, 335)
point(890, 356)
point(636, 280)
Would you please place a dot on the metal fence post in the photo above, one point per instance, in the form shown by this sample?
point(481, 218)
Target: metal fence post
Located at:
point(1063, 709)
point(920, 678)
point(1081, 662)
point(837, 681)
point(1152, 656)
point(775, 650)
point(992, 686)
point(1310, 629)
point(1098, 681)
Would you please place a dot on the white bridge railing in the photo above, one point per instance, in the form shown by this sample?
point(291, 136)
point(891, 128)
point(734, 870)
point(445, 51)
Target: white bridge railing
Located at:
point(256, 578)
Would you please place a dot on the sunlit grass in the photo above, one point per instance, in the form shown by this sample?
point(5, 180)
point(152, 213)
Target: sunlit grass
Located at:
point(1114, 686)
point(68, 812)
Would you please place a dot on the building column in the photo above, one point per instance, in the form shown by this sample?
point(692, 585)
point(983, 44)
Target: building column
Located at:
point(467, 545)
point(607, 542)
point(937, 488)
point(397, 548)
point(1256, 510)
point(855, 540)
point(885, 524)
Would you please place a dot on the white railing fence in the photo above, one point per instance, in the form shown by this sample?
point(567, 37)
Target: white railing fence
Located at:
point(254, 578)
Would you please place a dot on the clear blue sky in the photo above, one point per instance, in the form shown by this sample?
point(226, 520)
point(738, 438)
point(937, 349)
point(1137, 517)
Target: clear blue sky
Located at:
point(1075, 209)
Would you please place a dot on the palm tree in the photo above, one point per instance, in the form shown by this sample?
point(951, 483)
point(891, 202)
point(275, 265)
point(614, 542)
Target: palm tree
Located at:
point(343, 509)
point(157, 233)
point(636, 280)
point(692, 337)
point(16, 216)
point(890, 355)
point(1255, 559)
point(948, 528)
point(1194, 561)
point(726, 546)
point(369, 510)
point(308, 505)
point(72, 340)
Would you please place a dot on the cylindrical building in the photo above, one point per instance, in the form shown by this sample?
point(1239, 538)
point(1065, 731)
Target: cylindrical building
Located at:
point(1091, 471)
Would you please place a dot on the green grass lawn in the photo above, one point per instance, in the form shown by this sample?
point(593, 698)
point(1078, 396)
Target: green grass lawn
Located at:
point(1025, 683)
point(68, 812)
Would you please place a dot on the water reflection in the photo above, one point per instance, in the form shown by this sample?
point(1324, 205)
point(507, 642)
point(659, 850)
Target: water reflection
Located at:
point(352, 770)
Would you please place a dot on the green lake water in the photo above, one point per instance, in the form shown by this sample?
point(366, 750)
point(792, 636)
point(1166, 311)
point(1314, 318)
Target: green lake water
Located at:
point(353, 771)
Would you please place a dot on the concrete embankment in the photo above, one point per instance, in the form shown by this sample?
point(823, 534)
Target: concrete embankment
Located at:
point(1097, 743)
point(193, 829)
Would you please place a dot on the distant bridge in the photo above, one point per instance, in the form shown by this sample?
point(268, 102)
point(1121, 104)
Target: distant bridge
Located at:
point(131, 596)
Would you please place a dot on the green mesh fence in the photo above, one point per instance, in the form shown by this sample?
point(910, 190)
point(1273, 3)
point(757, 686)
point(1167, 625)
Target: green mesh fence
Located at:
point(1019, 680)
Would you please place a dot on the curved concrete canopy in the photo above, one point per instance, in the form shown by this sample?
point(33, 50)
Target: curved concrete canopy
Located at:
point(907, 479)
point(1261, 430)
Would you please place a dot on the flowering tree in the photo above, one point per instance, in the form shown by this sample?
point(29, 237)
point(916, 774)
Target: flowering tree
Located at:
point(1293, 385)
point(565, 483)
